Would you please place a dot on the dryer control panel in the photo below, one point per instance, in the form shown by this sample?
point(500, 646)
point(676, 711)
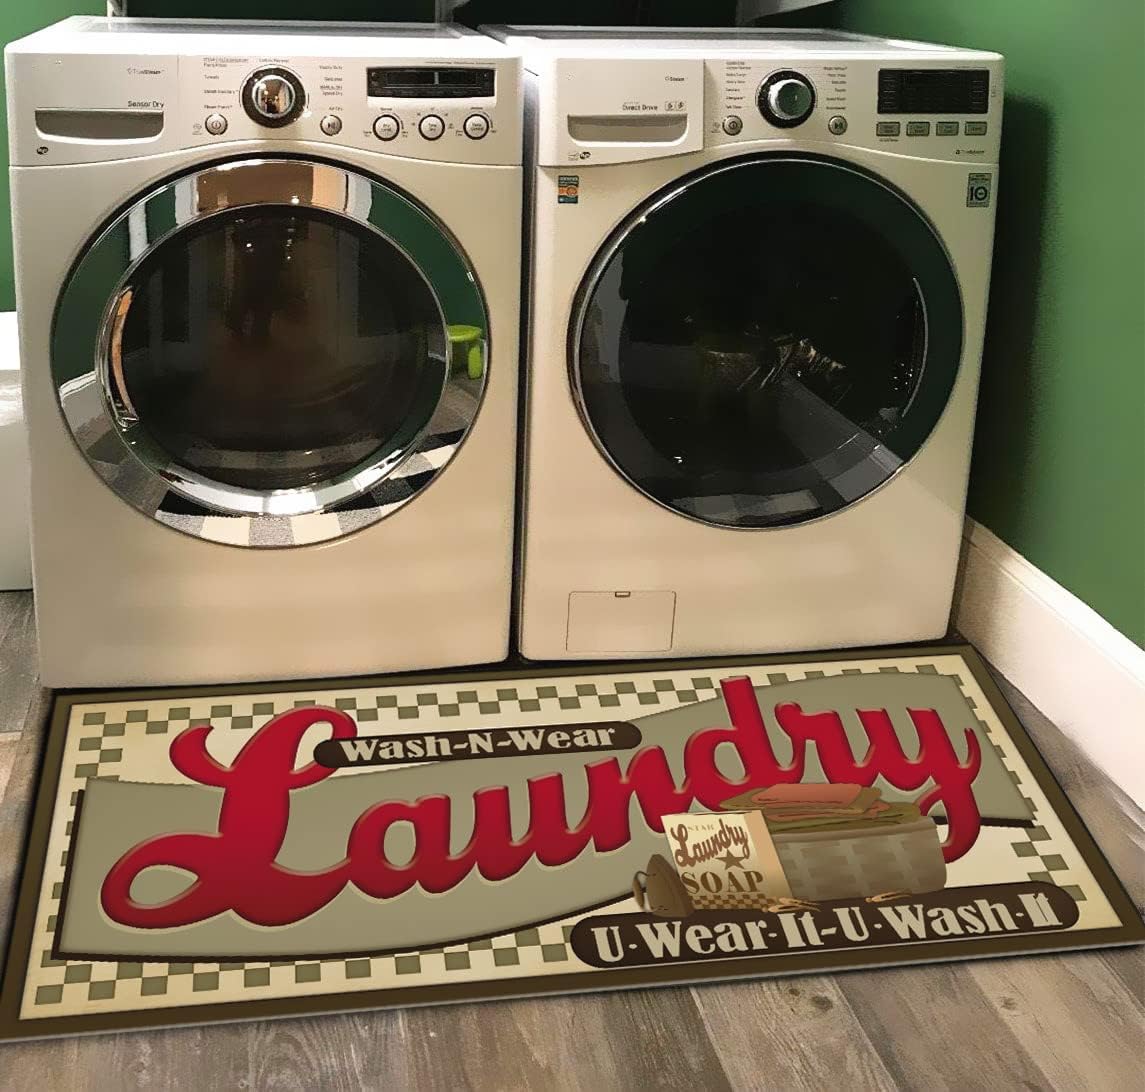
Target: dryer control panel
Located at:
point(393, 96)
point(456, 112)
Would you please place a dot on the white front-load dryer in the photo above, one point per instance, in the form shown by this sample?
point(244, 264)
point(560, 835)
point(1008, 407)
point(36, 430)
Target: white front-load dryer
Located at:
point(758, 278)
point(268, 287)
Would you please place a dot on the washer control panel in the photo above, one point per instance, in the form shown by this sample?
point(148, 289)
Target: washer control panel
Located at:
point(936, 108)
point(604, 101)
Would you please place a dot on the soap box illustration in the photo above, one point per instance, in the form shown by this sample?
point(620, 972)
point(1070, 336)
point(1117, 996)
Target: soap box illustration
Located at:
point(805, 842)
point(726, 860)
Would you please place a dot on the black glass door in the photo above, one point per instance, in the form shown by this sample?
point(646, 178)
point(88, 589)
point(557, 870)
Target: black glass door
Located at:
point(767, 342)
point(277, 348)
point(270, 341)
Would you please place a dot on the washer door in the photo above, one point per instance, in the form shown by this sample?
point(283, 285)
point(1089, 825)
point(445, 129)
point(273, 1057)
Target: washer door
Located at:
point(767, 342)
point(259, 353)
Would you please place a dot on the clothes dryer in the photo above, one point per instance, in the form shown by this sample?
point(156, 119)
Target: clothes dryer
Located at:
point(268, 289)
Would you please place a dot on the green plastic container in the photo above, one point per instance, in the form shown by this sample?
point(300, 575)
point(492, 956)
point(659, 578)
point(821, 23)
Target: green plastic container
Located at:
point(467, 343)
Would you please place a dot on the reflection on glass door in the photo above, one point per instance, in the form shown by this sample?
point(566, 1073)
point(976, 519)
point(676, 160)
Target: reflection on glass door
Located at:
point(276, 349)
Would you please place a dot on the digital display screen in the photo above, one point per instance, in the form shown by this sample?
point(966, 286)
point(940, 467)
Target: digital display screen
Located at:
point(430, 83)
point(934, 91)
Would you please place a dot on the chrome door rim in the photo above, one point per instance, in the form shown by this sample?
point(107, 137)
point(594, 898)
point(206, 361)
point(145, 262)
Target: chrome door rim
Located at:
point(118, 447)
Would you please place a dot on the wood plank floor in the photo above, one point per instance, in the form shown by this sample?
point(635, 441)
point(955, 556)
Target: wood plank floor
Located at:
point(1041, 1022)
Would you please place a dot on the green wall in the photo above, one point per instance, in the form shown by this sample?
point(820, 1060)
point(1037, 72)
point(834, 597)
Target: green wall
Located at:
point(17, 18)
point(1059, 461)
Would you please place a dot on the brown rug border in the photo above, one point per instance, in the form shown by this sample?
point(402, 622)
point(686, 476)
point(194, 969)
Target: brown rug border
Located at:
point(1132, 930)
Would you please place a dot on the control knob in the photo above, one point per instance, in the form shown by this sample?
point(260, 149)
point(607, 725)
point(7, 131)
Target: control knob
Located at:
point(786, 99)
point(273, 97)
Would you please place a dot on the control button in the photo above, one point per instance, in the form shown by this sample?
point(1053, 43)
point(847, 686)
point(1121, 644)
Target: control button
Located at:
point(387, 127)
point(331, 125)
point(215, 124)
point(888, 128)
point(475, 127)
point(733, 125)
point(946, 128)
point(918, 128)
point(274, 97)
point(974, 128)
point(431, 127)
point(837, 125)
point(786, 99)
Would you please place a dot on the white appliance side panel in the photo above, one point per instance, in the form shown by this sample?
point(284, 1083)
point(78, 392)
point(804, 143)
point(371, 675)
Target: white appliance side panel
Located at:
point(15, 550)
point(881, 570)
point(122, 600)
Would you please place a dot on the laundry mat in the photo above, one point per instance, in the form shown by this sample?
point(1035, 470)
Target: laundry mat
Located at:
point(242, 852)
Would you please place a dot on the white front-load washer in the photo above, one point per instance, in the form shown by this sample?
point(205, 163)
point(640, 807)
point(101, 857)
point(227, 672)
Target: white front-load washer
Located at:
point(268, 286)
point(758, 278)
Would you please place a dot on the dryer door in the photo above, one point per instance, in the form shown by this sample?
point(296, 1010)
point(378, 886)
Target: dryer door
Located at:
point(767, 342)
point(259, 353)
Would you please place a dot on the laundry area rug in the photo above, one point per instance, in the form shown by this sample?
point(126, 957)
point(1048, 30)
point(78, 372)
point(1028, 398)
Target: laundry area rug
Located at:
point(249, 852)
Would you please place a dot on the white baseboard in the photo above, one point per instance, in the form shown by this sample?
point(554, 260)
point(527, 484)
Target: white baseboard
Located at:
point(9, 342)
point(1083, 674)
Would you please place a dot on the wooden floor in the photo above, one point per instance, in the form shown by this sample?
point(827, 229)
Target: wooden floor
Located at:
point(1040, 1022)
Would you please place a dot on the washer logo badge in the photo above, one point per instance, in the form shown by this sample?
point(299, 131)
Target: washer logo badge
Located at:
point(979, 189)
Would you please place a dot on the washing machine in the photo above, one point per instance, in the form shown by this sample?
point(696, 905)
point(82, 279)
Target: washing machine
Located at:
point(758, 267)
point(268, 287)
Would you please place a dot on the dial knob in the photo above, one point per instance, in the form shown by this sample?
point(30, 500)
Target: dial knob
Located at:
point(786, 99)
point(274, 97)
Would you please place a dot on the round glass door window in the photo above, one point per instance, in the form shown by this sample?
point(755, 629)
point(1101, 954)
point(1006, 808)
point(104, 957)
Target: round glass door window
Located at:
point(274, 348)
point(767, 342)
point(272, 352)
